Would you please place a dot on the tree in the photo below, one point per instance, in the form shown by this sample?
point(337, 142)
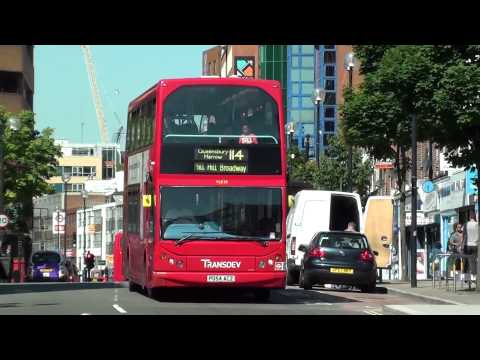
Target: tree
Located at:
point(376, 116)
point(457, 124)
point(30, 158)
point(332, 171)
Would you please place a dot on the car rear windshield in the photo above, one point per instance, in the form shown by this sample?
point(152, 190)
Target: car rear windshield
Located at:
point(342, 241)
point(45, 257)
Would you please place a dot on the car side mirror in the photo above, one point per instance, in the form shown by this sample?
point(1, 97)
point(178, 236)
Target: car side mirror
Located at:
point(302, 248)
point(375, 253)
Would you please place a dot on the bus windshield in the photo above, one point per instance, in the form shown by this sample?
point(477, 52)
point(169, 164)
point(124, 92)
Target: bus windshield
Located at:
point(218, 118)
point(221, 213)
point(220, 115)
point(45, 257)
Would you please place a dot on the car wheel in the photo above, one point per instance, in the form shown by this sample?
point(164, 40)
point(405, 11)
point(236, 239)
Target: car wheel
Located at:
point(370, 288)
point(300, 279)
point(306, 283)
point(262, 294)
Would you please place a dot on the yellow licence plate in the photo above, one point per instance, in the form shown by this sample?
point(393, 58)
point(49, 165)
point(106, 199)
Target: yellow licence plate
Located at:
point(45, 270)
point(341, 271)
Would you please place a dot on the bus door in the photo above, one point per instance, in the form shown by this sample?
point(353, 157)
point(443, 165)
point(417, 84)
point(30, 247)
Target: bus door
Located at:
point(149, 221)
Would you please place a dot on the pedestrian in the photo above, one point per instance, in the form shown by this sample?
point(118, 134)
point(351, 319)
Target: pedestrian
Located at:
point(471, 241)
point(351, 227)
point(455, 241)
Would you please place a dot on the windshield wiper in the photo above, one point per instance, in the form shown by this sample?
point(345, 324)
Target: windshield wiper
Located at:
point(189, 236)
point(264, 240)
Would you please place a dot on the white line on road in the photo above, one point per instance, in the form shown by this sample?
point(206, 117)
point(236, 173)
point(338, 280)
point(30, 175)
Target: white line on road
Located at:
point(319, 303)
point(119, 309)
point(371, 312)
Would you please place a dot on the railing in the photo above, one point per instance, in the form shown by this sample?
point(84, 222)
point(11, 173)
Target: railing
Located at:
point(219, 137)
point(452, 265)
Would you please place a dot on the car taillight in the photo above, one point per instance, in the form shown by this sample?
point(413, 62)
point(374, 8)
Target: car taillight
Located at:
point(294, 245)
point(318, 252)
point(366, 255)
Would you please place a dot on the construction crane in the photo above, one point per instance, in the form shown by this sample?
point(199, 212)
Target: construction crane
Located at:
point(95, 93)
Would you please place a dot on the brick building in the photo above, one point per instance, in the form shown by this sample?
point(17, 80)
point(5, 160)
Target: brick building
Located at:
point(16, 77)
point(231, 60)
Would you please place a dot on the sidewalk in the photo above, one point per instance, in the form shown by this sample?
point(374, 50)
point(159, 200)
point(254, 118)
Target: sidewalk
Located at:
point(425, 291)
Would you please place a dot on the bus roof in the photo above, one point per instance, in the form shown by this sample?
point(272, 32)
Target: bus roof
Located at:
point(202, 81)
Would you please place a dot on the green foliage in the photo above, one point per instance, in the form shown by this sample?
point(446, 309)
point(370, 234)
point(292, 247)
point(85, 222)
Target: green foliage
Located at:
point(332, 172)
point(30, 158)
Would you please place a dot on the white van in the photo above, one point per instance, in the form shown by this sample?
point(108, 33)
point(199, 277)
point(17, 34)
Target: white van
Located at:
point(314, 211)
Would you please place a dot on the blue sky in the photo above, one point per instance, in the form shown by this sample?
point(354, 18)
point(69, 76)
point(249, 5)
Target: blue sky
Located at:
point(62, 91)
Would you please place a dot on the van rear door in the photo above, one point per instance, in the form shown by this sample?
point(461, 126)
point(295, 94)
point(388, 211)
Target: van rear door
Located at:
point(314, 217)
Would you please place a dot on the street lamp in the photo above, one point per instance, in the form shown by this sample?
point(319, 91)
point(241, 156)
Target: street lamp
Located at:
point(291, 131)
point(349, 63)
point(84, 197)
point(65, 178)
point(318, 97)
point(14, 124)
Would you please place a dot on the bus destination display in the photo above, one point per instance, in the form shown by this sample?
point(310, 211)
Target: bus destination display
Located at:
point(228, 160)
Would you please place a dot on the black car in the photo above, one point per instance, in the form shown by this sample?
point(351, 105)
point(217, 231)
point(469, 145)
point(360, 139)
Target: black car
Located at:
point(338, 257)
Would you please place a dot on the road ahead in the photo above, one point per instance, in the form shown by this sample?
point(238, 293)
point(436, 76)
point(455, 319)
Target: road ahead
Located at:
point(111, 299)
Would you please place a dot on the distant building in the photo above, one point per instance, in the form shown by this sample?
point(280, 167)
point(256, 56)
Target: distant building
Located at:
point(85, 162)
point(16, 77)
point(102, 222)
point(43, 209)
point(231, 60)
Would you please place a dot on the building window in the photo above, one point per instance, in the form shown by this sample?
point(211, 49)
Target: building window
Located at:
point(329, 112)
point(329, 57)
point(330, 70)
point(307, 61)
point(307, 49)
point(307, 88)
point(330, 98)
point(330, 126)
point(329, 84)
point(308, 75)
point(97, 240)
point(11, 82)
point(296, 88)
point(307, 102)
point(295, 61)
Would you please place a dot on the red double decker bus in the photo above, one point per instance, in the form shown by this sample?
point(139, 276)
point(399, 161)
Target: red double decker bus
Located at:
point(205, 186)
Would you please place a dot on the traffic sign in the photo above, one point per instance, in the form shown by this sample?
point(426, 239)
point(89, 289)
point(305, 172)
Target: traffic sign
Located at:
point(3, 221)
point(428, 186)
point(58, 219)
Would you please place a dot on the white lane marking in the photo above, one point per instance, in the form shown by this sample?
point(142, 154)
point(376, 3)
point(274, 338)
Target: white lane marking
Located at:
point(115, 297)
point(319, 303)
point(85, 314)
point(119, 309)
point(371, 312)
point(406, 310)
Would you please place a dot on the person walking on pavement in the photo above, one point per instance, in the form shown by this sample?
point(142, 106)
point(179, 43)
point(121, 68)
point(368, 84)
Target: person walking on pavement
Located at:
point(471, 241)
point(455, 243)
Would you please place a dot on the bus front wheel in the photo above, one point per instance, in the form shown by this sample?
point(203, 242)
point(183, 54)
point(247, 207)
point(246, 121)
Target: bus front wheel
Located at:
point(132, 286)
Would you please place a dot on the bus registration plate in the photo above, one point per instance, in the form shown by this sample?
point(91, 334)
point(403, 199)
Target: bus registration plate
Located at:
point(221, 278)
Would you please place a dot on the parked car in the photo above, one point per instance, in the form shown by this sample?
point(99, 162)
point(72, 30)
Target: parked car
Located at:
point(338, 257)
point(314, 211)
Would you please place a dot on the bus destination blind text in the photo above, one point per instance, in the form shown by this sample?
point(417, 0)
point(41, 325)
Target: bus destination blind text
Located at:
point(216, 161)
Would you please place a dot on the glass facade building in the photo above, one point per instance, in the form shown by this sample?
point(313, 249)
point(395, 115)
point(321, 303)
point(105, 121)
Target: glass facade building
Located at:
point(309, 67)
point(273, 66)
point(300, 69)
